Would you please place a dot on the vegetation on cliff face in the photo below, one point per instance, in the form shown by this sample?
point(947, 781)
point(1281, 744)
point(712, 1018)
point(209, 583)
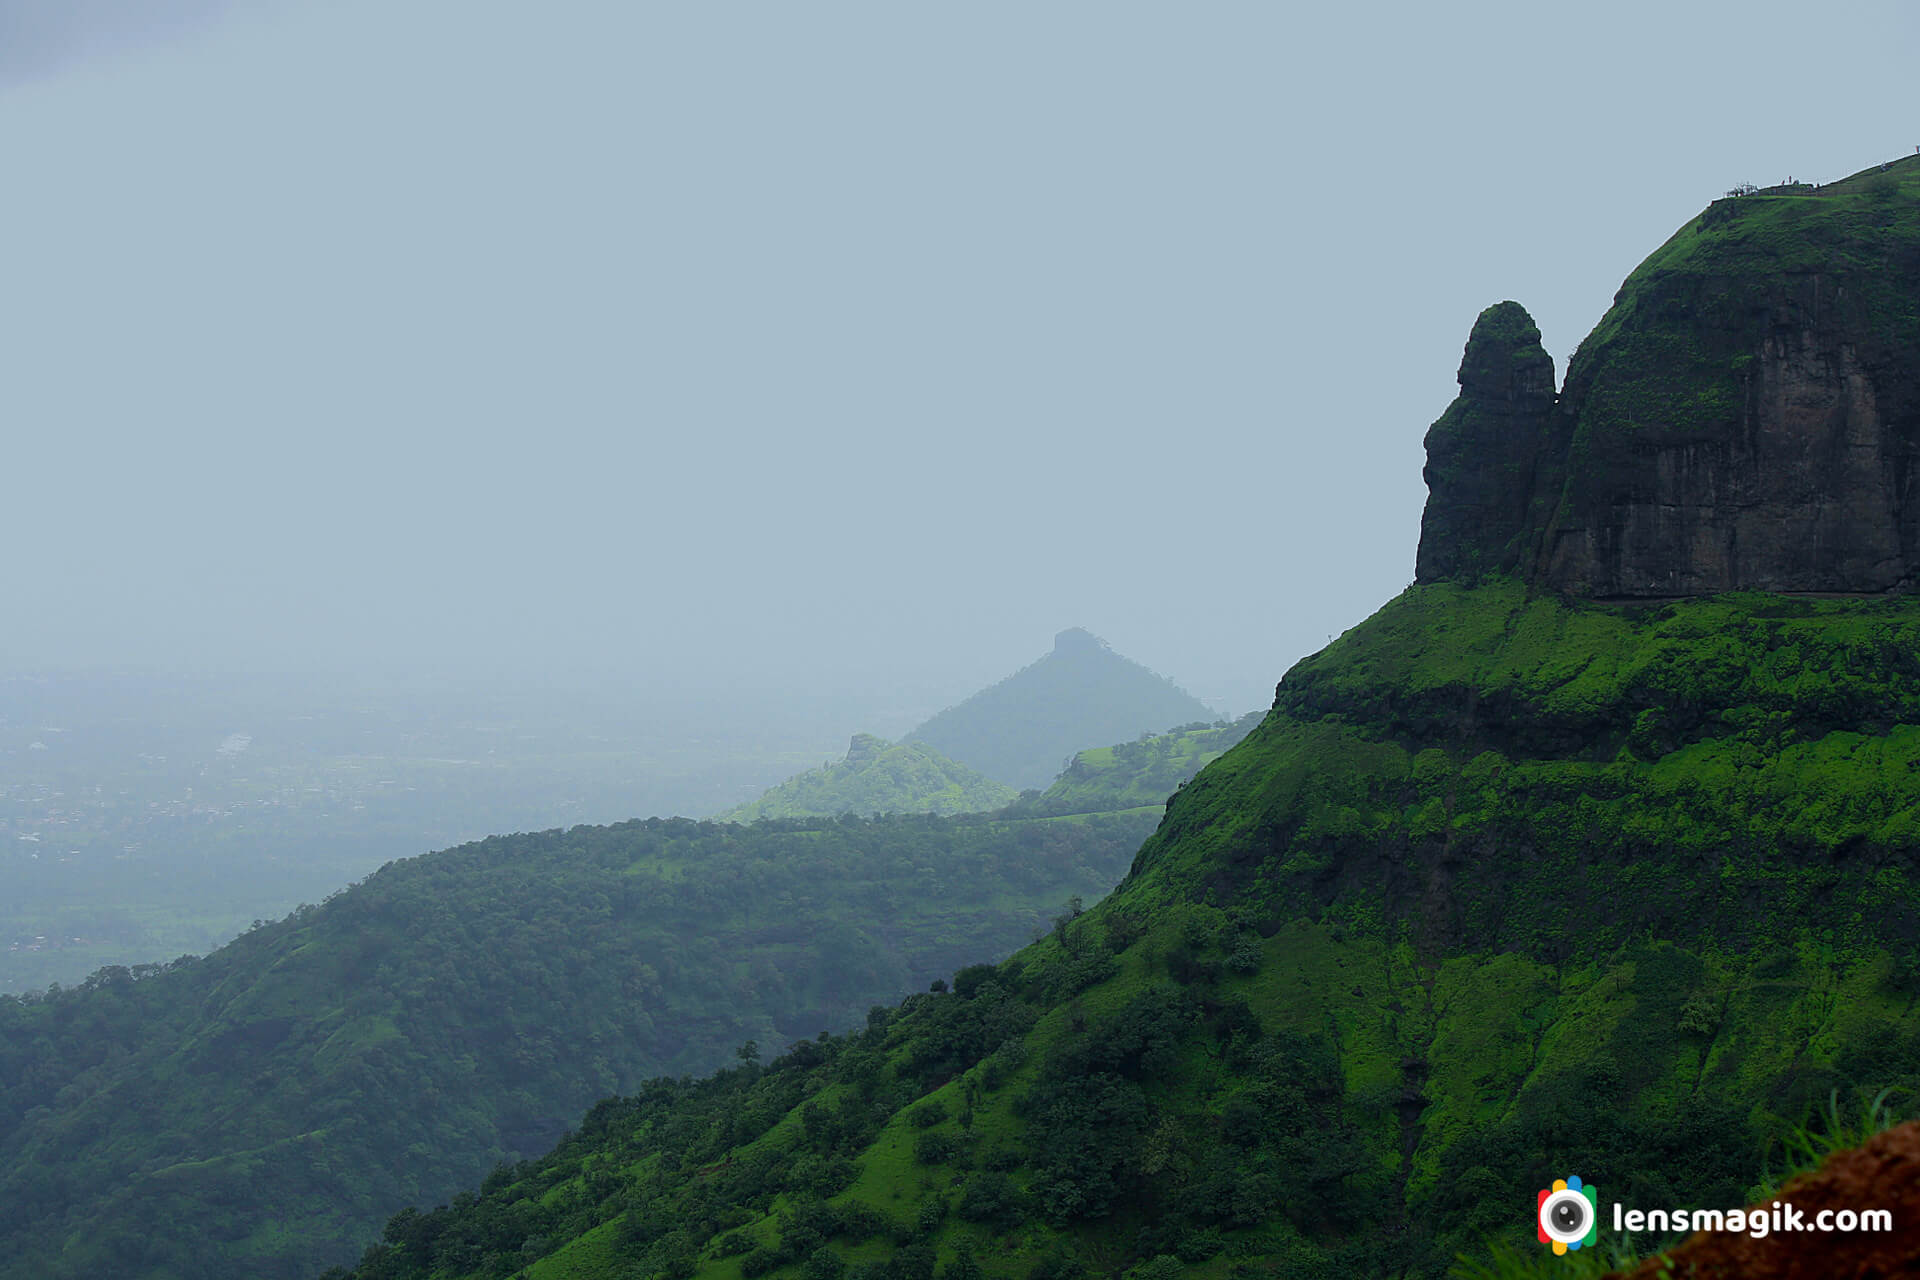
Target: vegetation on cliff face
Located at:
point(259, 1112)
point(1518, 771)
point(1846, 232)
point(879, 777)
point(1673, 359)
point(1024, 729)
point(1503, 888)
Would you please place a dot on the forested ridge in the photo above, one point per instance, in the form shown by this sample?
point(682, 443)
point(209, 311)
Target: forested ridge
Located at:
point(260, 1110)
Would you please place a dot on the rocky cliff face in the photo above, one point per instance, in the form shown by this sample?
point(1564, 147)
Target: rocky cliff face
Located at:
point(1747, 416)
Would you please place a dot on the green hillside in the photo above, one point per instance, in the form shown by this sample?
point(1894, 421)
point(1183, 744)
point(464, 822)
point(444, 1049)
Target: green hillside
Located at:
point(1024, 729)
point(879, 777)
point(259, 1112)
point(1142, 772)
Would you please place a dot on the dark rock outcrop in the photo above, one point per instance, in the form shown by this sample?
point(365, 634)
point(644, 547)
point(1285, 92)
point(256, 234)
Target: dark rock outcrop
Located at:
point(1482, 452)
point(1747, 416)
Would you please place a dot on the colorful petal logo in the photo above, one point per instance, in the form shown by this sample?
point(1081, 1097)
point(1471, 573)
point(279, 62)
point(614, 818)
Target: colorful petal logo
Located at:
point(1567, 1215)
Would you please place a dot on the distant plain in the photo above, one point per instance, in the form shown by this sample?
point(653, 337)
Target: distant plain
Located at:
point(143, 817)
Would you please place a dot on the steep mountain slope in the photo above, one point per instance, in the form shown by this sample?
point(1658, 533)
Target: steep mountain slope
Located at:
point(878, 777)
point(1507, 886)
point(259, 1112)
point(1024, 728)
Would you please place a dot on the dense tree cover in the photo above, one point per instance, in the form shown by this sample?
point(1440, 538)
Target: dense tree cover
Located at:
point(879, 777)
point(761, 1170)
point(1575, 890)
point(260, 1111)
point(1025, 728)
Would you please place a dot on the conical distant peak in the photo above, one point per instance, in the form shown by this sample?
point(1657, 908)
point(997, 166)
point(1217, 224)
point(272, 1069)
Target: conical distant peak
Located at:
point(1075, 641)
point(1019, 730)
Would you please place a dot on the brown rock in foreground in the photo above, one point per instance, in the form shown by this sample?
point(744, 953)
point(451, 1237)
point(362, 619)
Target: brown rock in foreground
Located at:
point(1882, 1174)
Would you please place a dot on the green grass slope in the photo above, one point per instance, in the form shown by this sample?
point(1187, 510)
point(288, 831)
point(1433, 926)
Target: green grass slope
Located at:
point(1023, 729)
point(1503, 889)
point(879, 777)
point(259, 1112)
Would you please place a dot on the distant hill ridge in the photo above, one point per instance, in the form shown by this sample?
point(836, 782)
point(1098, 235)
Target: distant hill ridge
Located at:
point(1024, 729)
point(878, 776)
point(1146, 771)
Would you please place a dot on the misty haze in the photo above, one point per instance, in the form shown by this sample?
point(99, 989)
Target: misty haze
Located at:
point(1007, 642)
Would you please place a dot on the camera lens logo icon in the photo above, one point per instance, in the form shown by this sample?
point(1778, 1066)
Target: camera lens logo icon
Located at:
point(1567, 1215)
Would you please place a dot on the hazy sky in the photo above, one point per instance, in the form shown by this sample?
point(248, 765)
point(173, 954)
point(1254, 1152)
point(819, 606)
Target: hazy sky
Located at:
point(813, 344)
